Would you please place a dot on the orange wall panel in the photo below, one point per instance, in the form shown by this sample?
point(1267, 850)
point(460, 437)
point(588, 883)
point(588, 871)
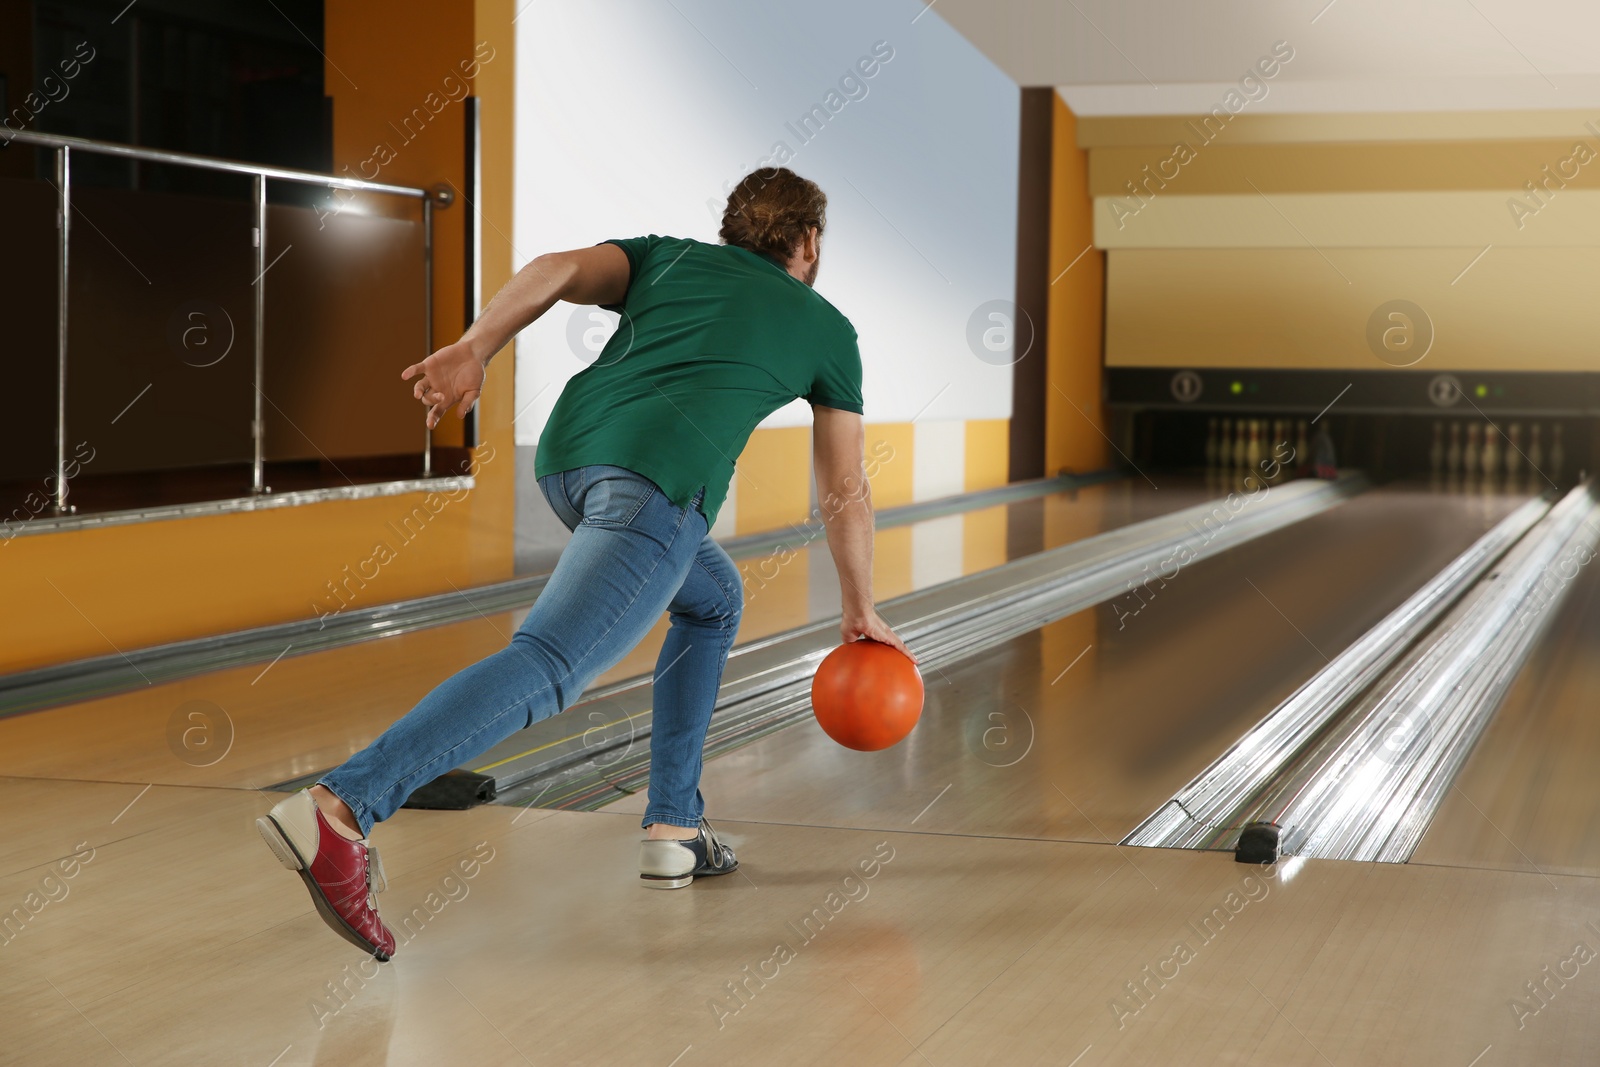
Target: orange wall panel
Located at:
point(988, 453)
point(102, 591)
point(891, 564)
point(776, 593)
point(890, 446)
point(983, 539)
point(1074, 419)
point(495, 86)
point(774, 474)
point(396, 73)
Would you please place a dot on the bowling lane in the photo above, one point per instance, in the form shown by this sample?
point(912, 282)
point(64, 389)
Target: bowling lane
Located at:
point(1528, 798)
point(784, 591)
point(266, 723)
point(1079, 730)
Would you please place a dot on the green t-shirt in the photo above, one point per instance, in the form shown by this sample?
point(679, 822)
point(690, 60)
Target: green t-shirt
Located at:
point(713, 339)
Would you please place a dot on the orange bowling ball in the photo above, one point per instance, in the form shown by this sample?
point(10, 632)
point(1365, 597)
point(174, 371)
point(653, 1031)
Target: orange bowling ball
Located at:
point(867, 695)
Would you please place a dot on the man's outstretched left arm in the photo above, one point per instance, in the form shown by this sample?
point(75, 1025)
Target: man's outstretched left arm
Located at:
point(454, 375)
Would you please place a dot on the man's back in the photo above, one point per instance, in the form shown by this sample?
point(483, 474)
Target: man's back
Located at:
point(713, 338)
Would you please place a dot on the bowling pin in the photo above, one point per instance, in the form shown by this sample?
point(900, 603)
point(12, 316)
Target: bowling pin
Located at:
point(1558, 454)
point(1491, 450)
point(1452, 456)
point(1211, 443)
point(1514, 451)
point(1471, 458)
point(1252, 451)
point(1436, 452)
point(1225, 432)
point(1241, 443)
point(1535, 453)
point(1325, 462)
point(1302, 448)
point(1233, 458)
point(1278, 449)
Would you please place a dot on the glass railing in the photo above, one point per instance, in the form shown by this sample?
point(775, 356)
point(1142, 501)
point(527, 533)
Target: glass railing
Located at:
point(166, 347)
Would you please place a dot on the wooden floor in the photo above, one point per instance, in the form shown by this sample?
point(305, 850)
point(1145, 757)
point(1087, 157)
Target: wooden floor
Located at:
point(955, 900)
point(177, 941)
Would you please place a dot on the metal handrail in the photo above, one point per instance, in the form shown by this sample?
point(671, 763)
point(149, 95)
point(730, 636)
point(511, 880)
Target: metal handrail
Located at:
point(64, 146)
point(232, 166)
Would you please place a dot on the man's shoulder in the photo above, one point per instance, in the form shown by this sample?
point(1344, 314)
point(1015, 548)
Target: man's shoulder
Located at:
point(651, 241)
point(833, 315)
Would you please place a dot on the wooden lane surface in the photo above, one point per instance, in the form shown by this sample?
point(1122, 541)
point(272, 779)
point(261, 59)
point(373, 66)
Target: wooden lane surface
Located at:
point(181, 941)
point(1080, 730)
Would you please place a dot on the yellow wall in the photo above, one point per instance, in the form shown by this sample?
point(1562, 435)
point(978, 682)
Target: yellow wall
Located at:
point(1276, 244)
point(988, 453)
point(894, 443)
point(1515, 309)
point(391, 82)
point(773, 483)
point(773, 492)
point(774, 475)
point(495, 86)
point(983, 533)
point(1377, 126)
point(95, 592)
point(776, 593)
point(1074, 421)
point(98, 592)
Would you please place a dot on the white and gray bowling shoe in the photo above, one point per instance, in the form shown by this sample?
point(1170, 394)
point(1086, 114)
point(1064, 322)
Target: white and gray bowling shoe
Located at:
point(674, 864)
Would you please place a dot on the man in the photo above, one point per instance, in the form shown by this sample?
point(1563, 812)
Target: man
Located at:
point(636, 460)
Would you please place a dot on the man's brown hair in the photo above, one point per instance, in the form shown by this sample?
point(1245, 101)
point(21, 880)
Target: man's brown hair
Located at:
point(769, 212)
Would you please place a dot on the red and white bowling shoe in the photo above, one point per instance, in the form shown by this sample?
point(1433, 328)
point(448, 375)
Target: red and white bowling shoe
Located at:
point(342, 875)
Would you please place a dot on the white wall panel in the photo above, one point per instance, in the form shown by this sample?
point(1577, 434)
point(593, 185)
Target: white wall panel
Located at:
point(632, 117)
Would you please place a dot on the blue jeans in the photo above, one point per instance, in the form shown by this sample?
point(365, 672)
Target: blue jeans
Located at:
point(633, 555)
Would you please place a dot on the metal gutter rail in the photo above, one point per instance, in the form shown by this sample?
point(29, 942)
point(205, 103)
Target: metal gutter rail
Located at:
point(1211, 809)
point(1356, 763)
point(1378, 786)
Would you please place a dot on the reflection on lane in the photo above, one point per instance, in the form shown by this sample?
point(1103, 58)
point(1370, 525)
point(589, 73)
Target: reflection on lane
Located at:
point(794, 586)
point(1078, 730)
